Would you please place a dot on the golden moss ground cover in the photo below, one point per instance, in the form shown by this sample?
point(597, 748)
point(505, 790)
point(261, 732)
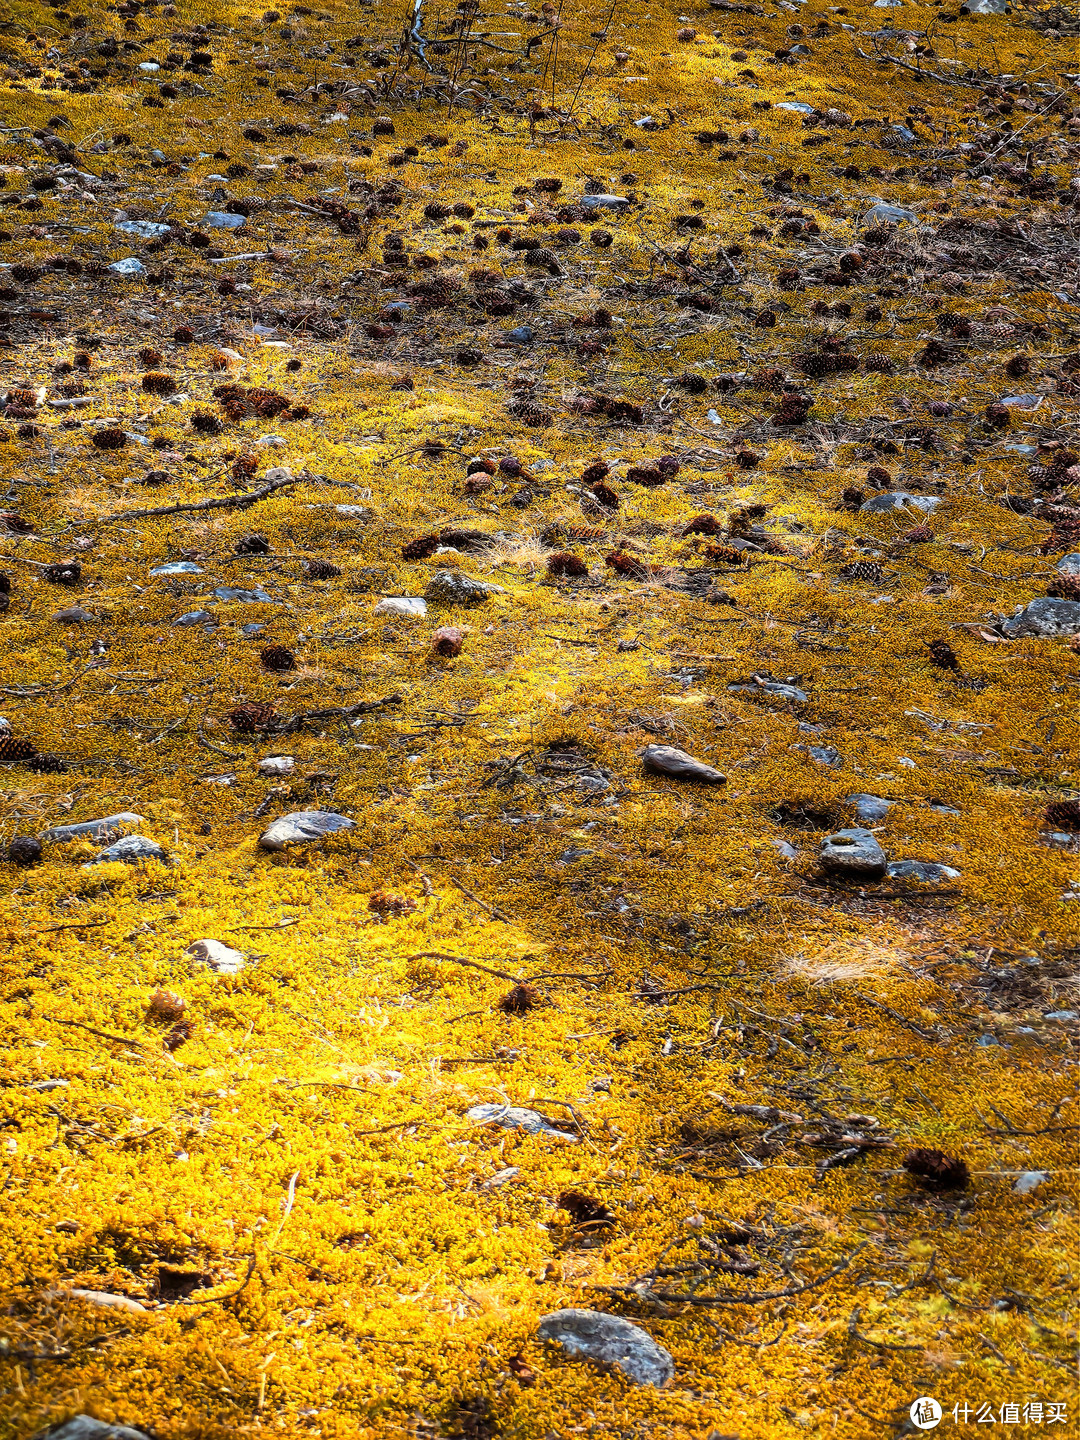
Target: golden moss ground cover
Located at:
point(739, 1050)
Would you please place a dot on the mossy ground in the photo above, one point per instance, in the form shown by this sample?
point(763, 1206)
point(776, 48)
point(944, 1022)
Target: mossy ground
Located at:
point(371, 1266)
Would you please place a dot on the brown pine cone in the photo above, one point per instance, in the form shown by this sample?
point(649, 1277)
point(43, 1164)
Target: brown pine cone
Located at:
point(251, 718)
point(14, 750)
point(277, 657)
point(321, 569)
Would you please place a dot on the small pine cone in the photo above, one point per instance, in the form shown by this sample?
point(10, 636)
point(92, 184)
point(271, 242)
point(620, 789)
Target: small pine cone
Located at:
point(644, 475)
point(1018, 366)
point(384, 904)
point(879, 477)
point(935, 1170)
point(13, 750)
point(477, 483)
point(65, 572)
point(166, 1005)
point(15, 524)
point(24, 850)
point(997, 416)
point(420, 548)
point(692, 384)
point(511, 465)
point(277, 657)
point(156, 382)
point(5, 584)
point(253, 545)
point(266, 403)
point(251, 718)
point(934, 354)
point(45, 763)
point(746, 459)
point(624, 564)
point(765, 319)
point(480, 463)
point(183, 335)
point(244, 466)
point(179, 1035)
point(794, 409)
point(1065, 587)
point(22, 400)
point(519, 1000)
point(563, 563)
point(602, 239)
point(111, 438)
point(321, 570)
point(235, 409)
point(851, 498)
point(150, 357)
point(878, 364)
point(1063, 815)
point(205, 422)
point(703, 524)
point(918, 535)
point(597, 470)
point(943, 655)
point(668, 466)
point(866, 570)
point(605, 495)
point(447, 641)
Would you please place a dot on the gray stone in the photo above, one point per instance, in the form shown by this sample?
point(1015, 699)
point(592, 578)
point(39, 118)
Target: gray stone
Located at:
point(796, 105)
point(221, 959)
point(1030, 1180)
point(611, 1342)
point(925, 870)
point(1023, 402)
point(604, 202)
point(148, 229)
point(177, 567)
point(83, 1427)
point(1044, 616)
point(407, 607)
point(515, 1117)
point(450, 587)
point(776, 688)
point(73, 615)
point(1069, 564)
point(883, 214)
point(986, 7)
point(1061, 1015)
point(940, 808)
point(825, 755)
point(853, 853)
point(128, 266)
point(92, 829)
point(245, 597)
point(897, 500)
point(222, 220)
point(132, 850)
point(869, 808)
point(302, 827)
point(353, 512)
point(667, 760)
point(193, 617)
point(787, 850)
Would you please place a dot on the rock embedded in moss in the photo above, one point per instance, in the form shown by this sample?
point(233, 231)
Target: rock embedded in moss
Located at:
point(132, 850)
point(302, 827)
point(84, 1427)
point(612, 1342)
point(678, 765)
point(853, 854)
point(222, 959)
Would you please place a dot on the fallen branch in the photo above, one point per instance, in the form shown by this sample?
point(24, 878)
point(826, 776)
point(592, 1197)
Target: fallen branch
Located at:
point(731, 1297)
point(472, 964)
point(221, 502)
point(491, 910)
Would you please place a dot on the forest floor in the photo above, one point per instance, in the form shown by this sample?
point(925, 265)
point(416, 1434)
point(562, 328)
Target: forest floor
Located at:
point(713, 380)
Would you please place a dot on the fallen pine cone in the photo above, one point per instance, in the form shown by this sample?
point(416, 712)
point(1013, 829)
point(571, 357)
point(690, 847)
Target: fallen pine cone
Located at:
point(518, 1000)
point(277, 657)
point(943, 655)
point(448, 641)
point(584, 1210)
point(564, 563)
point(321, 569)
point(1063, 815)
point(251, 718)
point(165, 1005)
point(935, 1170)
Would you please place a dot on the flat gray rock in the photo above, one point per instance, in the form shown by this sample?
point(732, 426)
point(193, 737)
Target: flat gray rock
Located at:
point(82, 1427)
point(925, 870)
point(605, 202)
point(193, 617)
point(73, 615)
point(302, 827)
point(611, 1342)
point(516, 1117)
point(245, 597)
point(132, 850)
point(95, 829)
point(449, 587)
point(177, 567)
point(869, 808)
point(853, 853)
point(667, 760)
point(898, 499)
point(1069, 564)
point(774, 688)
point(1044, 616)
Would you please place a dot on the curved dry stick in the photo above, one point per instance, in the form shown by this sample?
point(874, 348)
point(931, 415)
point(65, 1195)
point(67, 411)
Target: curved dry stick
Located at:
point(221, 502)
point(732, 1297)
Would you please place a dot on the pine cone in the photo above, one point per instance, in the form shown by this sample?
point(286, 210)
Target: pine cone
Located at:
point(45, 763)
point(1018, 366)
point(156, 382)
point(321, 569)
point(879, 477)
point(277, 657)
point(251, 718)
point(934, 354)
point(703, 524)
point(605, 495)
point(150, 357)
point(15, 524)
point(997, 416)
point(597, 470)
point(563, 563)
point(66, 572)
point(253, 544)
point(918, 535)
point(205, 422)
point(111, 438)
point(794, 409)
point(166, 1005)
point(866, 570)
point(1063, 815)
point(878, 364)
point(266, 403)
point(448, 640)
point(644, 475)
point(935, 1170)
point(420, 548)
point(851, 498)
point(13, 750)
point(24, 850)
point(519, 1000)
point(1065, 587)
point(943, 655)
